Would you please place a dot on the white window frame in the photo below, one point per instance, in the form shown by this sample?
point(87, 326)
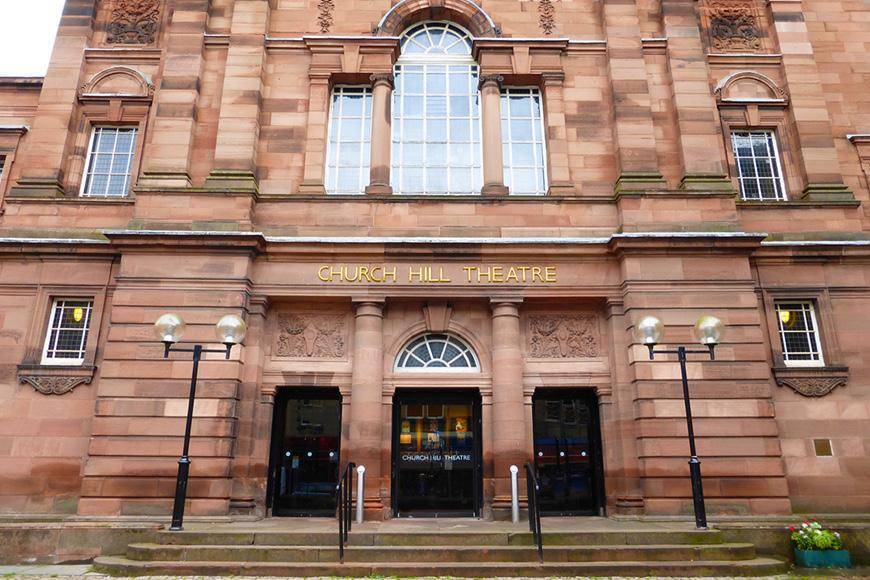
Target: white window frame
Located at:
point(334, 132)
point(507, 140)
point(425, 60)
point(779, 178)
point(810, 306)
point(86, 174)
point(52, 361)
point(463, 346)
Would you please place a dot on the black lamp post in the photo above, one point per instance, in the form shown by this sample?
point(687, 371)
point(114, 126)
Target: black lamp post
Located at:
point(169, 328)
point(708, 331)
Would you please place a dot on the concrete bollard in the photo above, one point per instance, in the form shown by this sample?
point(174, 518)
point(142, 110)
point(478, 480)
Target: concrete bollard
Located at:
point(515, 498)
point(360, 492)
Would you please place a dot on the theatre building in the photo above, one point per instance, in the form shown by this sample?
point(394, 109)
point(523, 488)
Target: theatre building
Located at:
point(441, 221)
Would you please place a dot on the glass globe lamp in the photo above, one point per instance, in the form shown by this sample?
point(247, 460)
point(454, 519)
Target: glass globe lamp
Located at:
point(709, 330)
point(231, 329)
point(169, 328)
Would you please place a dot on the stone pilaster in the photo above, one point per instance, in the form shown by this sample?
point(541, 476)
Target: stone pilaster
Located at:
point(821, 166)
point(700, 137)
point(44, 151)
point(235, 164)
point(382, 93)
point(168, 151)
point(634, 133)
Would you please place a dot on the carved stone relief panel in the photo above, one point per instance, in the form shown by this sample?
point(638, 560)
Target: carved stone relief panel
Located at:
point(546, 16)
point(562, 336)
point(734, 26)
point(133, 21)
point(311, 336)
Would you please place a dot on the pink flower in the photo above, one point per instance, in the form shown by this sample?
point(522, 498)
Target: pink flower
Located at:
point(791, 528)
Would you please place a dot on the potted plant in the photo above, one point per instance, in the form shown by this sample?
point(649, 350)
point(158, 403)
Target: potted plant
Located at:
point(816, 547)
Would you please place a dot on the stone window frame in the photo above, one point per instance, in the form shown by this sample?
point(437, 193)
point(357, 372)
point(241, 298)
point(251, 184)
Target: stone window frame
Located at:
point(46, 360)
point(757, 117)
point(810, 307)
point(820, 299)
point(776, 157)
point(111, 113)
point(10, 138)
point(91, 152)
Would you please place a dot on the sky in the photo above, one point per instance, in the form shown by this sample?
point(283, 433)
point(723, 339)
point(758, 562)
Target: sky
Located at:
point(27, 29)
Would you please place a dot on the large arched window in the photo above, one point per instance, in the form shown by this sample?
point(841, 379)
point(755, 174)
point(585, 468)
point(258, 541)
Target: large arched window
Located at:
point(436, 113)
point(437, 352)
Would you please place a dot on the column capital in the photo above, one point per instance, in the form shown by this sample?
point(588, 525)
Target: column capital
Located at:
point(554, 78)
point(383, 79)
point(490, 81)
point(505, 306)
point(368, 307)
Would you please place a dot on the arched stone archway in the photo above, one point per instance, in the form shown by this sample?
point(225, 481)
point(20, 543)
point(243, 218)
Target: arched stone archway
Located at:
point(466, 13)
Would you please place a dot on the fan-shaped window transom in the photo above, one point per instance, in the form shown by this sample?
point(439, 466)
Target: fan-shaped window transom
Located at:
point(437, 352)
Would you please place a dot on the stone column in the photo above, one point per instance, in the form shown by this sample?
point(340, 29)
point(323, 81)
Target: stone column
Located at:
point(42, 155)
point(633, 129)
point(490, 105)
point(382, 96)
point(824, 179)
point(235, 162)
point(700, 139)
point(509, 445)
point(557, 134)
point(365, 398)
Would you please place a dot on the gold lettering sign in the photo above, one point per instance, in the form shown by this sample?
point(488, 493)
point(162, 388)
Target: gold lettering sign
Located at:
point(420, 274)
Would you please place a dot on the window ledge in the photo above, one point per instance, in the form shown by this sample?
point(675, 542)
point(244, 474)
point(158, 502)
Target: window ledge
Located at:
point(55, 379)
point(128, 200)
point(795, 203)
point(811, 381)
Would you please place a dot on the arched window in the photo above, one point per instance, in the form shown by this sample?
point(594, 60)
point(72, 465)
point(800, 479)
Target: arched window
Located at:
point(437, 352)
point(436, 113)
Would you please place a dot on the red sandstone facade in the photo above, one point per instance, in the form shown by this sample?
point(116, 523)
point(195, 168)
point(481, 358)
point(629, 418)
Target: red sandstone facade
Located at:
point(228, 212)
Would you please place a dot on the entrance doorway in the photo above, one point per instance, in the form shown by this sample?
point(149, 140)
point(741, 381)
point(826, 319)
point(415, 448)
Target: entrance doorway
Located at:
point(306, 437)
point(436, 454)
point(568, 452)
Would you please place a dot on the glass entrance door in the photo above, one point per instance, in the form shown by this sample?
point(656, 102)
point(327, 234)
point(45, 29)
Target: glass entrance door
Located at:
point(436, 454)
point(305, 453)
point(568, 452)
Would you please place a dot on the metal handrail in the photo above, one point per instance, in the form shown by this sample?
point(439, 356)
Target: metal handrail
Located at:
point(344, 499)
point(532, 491)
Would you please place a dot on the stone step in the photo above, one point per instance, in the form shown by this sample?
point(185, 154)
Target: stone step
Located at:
point(402, 554)
point(756, 567)
point(445, 538)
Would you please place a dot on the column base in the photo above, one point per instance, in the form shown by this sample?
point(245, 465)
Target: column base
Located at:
point(635, 181)
point(629, 505)
point(561, 188)
point(314, 187)
point(706, 182)
point(232, 180)
point(827, 192)
point(36, 187)
point(161, 180)
point(378, 189)
point(494, 189)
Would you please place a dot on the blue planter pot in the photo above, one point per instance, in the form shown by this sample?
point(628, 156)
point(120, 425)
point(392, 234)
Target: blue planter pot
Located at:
point(822, 558)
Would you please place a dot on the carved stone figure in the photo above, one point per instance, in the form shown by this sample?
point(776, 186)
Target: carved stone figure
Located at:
point(812, 386)
point(311, 336)
point(734, 27)
point(546, 16)
point(324, 14)
point(52, 384)
point(133, 22)
point(563, 336)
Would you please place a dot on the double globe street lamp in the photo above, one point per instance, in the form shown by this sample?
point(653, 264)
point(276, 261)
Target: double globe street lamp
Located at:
point(169, 329)
point(708, 332)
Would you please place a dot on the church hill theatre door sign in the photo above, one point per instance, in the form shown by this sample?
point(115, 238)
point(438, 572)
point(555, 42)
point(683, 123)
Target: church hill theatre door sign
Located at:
point(436, 453)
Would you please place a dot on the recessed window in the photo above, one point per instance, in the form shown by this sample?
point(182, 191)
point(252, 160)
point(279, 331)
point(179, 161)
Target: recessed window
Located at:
point(436, 113)
point(758, 168)
point(109, 162)
point(522, 131)
point(798, 333)
point(2, 165)
point(437, 352)
point(823, 447)
point(67, 334)
point(350, 129)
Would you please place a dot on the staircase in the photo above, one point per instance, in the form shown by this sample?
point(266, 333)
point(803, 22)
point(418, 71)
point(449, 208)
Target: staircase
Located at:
point(376, 551)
